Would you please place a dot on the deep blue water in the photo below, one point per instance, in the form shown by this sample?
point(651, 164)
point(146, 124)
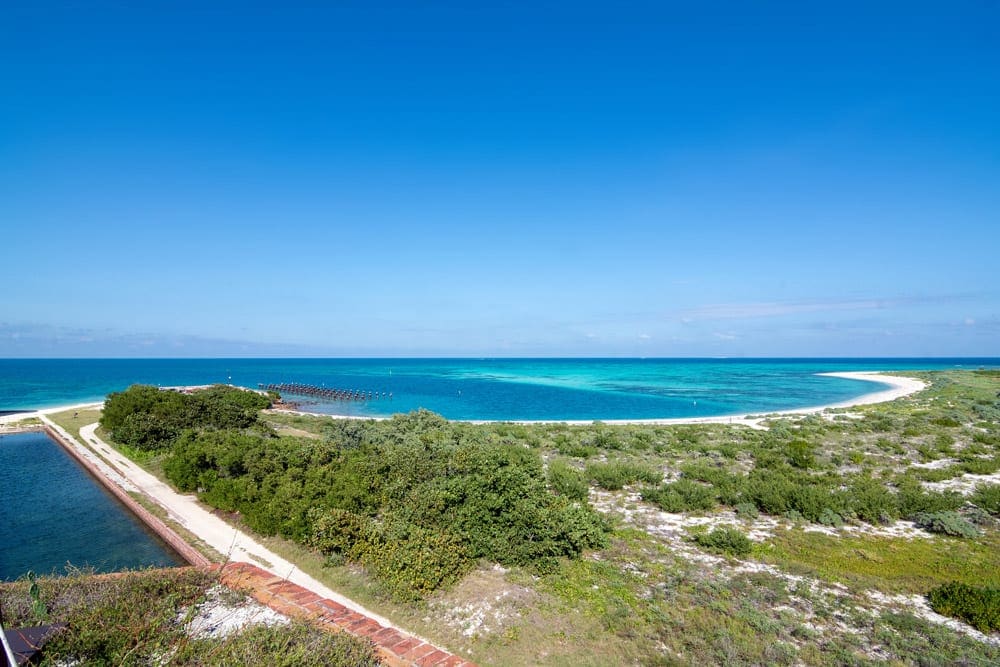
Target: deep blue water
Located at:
point(484, 388)
point(52, 513)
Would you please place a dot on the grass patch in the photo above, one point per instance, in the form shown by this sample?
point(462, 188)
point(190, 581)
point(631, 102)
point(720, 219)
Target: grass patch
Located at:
point(725, 541)
point(976, 605)
point(74, 420)
point(139, 617)
point(893, 565)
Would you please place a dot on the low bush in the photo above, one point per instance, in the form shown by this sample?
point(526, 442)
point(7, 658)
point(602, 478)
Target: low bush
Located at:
point(681, 496)
point(977, 516)
point(946, 523)
point(725, 540)
point(411, 562)
point(912, 499)
point(747, 511)
point(606, 439)
point(871, 501)
point(801, 454)
point(616, 474)
point(567, 480)
point(570, 447)
point(978, 606)
point(830, 518)
point(987, 497)
point(980, 466)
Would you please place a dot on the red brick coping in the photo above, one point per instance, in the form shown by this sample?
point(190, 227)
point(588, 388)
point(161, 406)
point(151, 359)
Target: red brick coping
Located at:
point(395, 647)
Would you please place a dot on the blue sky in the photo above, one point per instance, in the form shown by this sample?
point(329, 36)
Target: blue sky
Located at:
point(502, 179)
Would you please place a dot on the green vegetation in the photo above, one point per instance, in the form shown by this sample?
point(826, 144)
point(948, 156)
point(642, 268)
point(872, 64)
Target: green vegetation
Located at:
point(987, 498)
point(682, 496)
point(889, 564)
point(147, 418)
point(946, 523)
point(415, 499)
point(567, 480)
point(725, 540)
point(73, 420)
point(411, 515)
point(139, 618)
point(978, 606)
point(616, 474)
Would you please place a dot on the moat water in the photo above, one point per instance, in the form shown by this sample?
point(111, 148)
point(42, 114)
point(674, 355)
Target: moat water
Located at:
point(55, 517)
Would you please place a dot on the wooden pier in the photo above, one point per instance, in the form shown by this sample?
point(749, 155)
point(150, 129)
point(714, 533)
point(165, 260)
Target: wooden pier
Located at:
point(326, 393)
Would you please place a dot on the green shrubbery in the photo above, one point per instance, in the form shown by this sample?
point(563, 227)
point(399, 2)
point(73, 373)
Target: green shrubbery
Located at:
point(681, 496)
point(616, 474)
point(725, 540)
point(801, 454)
point(568, 481)
point(747, 511)
point(980, 607)
point(981, 466)
point(946, 523)
point(409, 561)
point(912, 500)
point(987, 497)
point(416, 499)
point(148, 418)
point(871, 501)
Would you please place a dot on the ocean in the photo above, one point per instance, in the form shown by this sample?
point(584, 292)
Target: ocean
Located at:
point(483, 389)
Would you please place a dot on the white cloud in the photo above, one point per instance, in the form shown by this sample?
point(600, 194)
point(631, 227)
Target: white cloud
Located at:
point(727, 311)
point(766, 309)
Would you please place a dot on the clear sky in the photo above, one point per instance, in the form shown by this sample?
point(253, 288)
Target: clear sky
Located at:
point(500, 179)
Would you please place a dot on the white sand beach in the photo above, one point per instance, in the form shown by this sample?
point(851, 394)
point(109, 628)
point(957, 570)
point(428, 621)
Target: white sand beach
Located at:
point(899, 387)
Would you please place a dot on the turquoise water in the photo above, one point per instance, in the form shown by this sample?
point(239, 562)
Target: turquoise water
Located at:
point(484, 388)
point(53, 514)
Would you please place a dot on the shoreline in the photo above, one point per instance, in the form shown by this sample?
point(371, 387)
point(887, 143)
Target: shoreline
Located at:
point(899, 386)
